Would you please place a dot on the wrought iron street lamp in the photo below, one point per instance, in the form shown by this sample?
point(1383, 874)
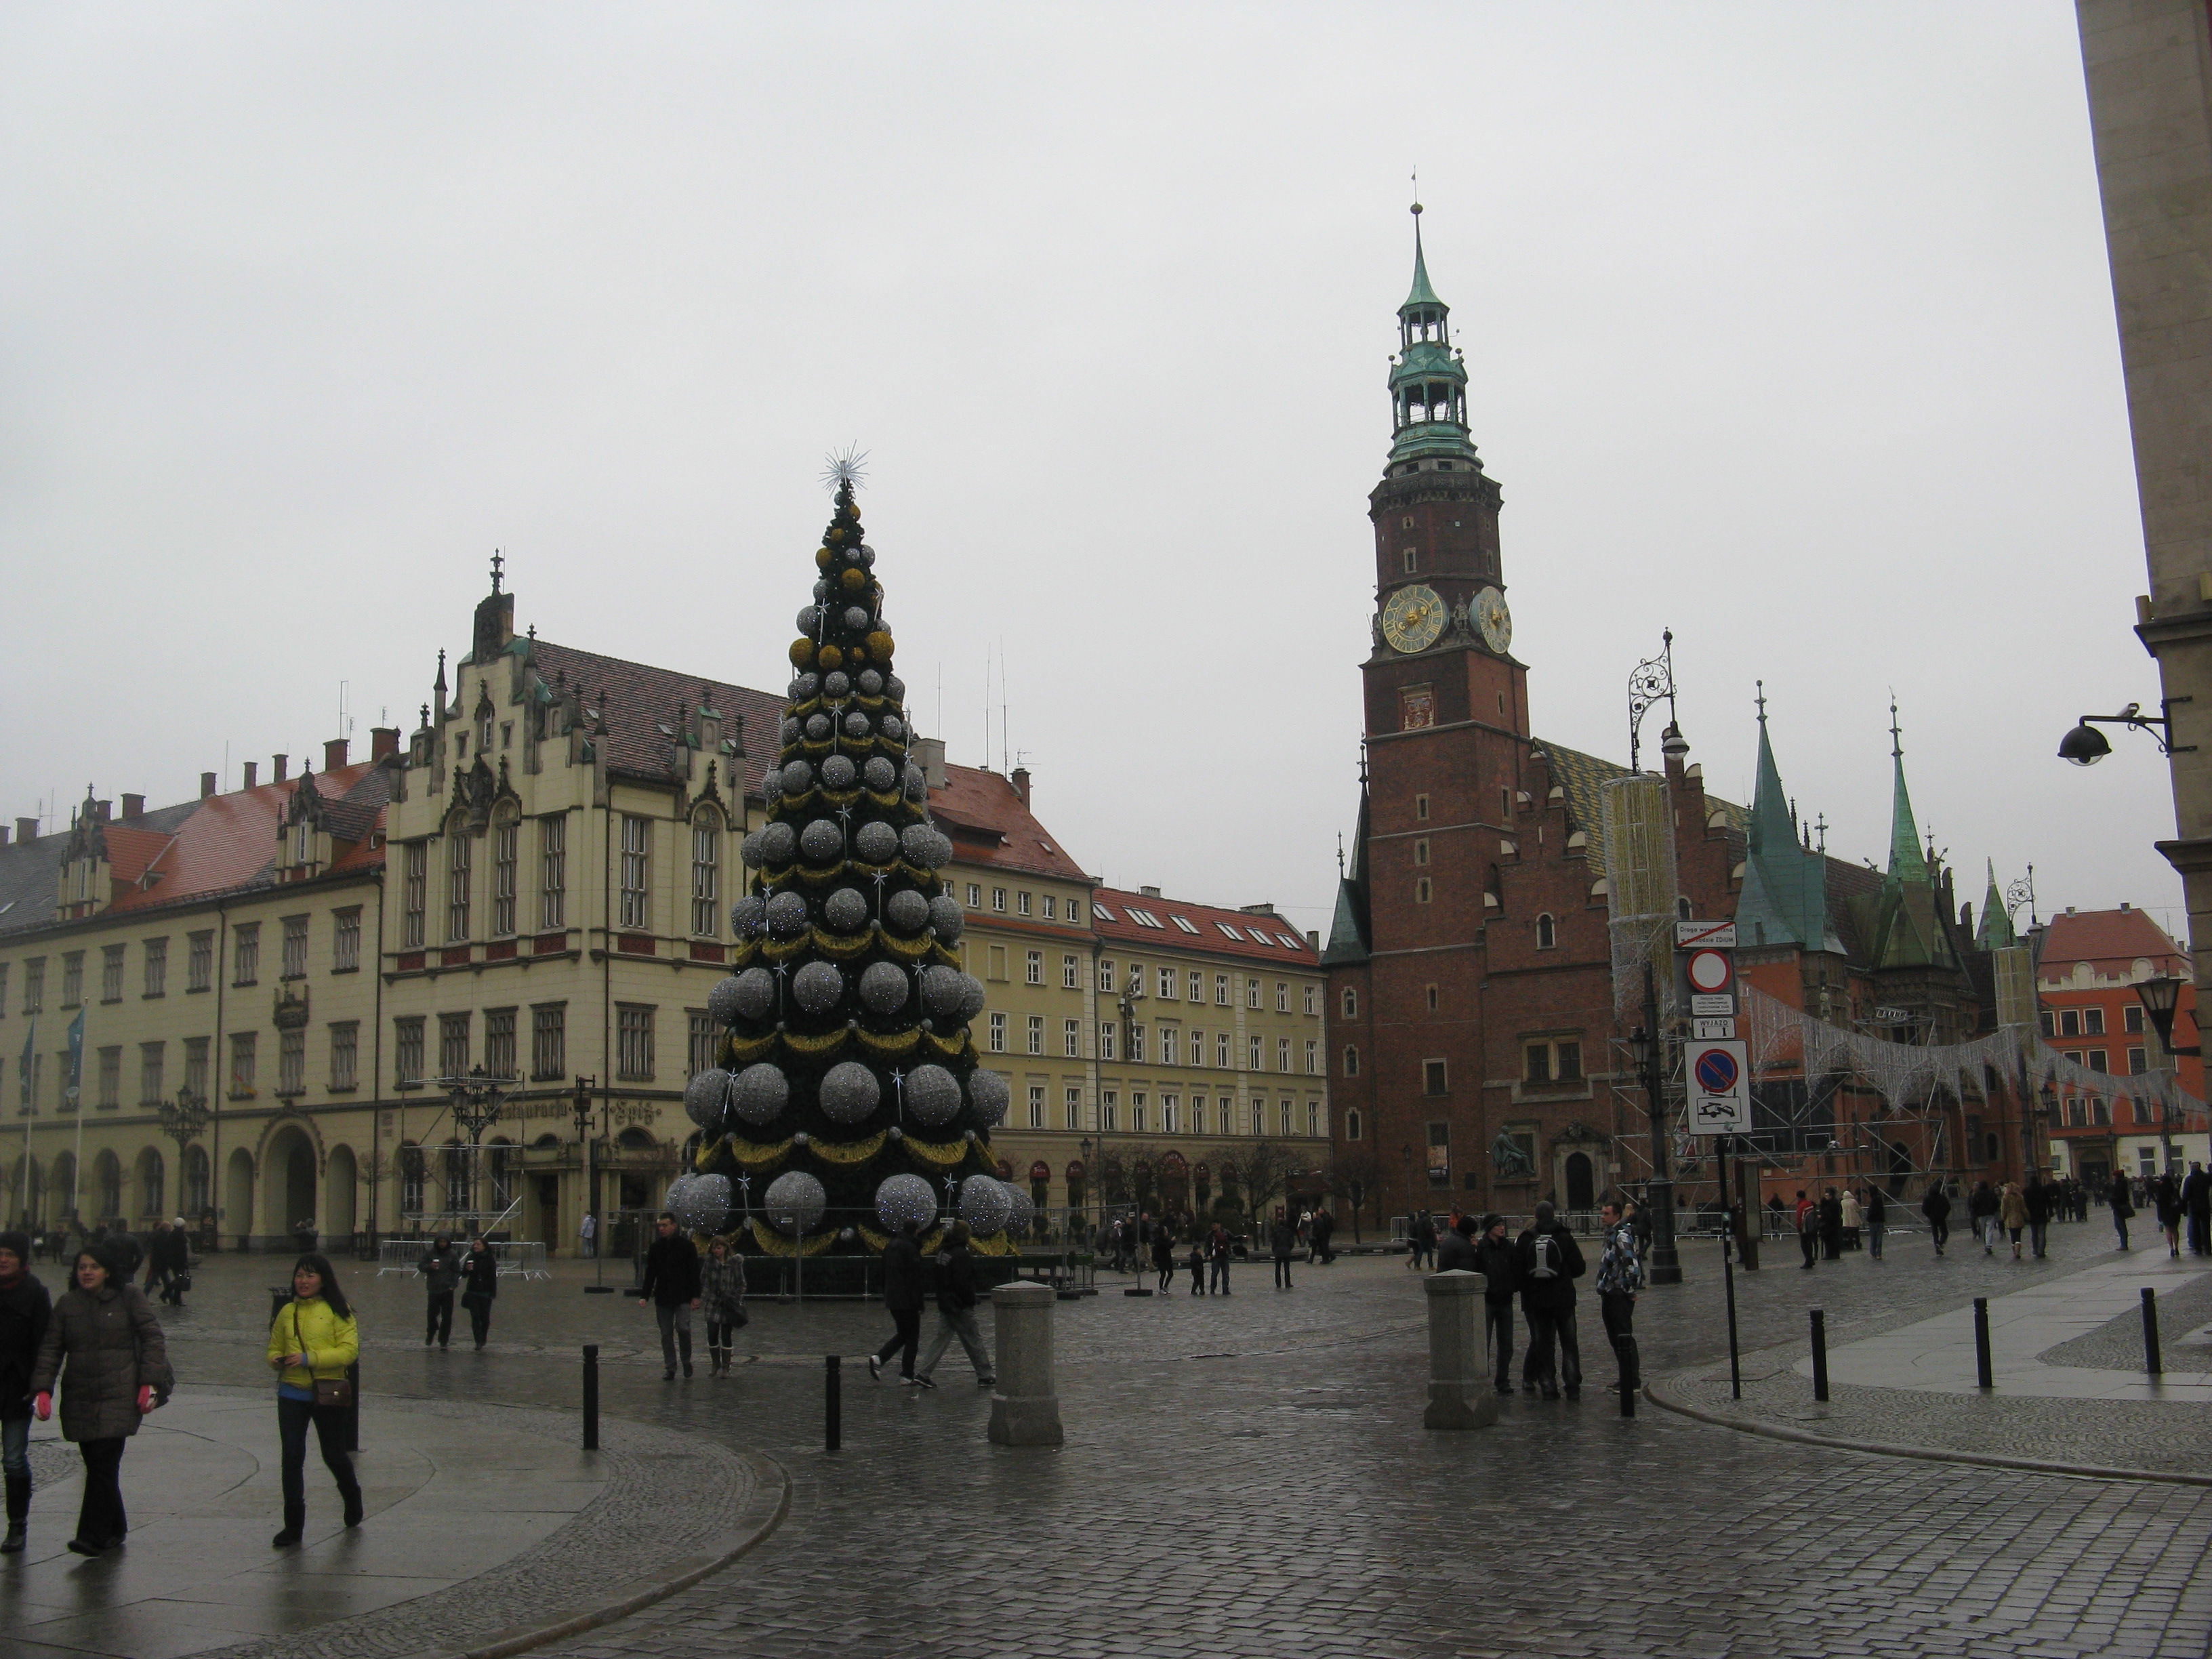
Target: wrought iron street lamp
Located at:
point(475, 1099)
point(184, 1120)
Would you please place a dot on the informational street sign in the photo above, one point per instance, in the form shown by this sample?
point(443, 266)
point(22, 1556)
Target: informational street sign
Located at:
point(1718, 1071)
point(1714, 1028)
point(1720, 1006)
point(1718, 935)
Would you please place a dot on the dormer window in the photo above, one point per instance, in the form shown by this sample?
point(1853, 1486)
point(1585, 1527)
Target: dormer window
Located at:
point(303, 842)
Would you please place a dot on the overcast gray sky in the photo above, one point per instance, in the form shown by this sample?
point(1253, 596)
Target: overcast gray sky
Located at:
point(1788, 327)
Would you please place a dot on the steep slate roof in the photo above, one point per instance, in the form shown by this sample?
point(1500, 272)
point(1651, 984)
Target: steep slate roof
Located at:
point(1207, 928)
point(1583, 776)
point(641, 699)
point(2106, 939)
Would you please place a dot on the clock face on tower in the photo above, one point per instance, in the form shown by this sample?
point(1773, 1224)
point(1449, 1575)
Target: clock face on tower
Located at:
point(1413, 618)
point(1495, 620)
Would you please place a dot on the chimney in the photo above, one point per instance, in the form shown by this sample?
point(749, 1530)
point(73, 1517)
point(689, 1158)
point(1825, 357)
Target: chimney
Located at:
point(383, 742)
point(134, 806)
point(26, 832)
point(252, 773)
point(278, 765)
point(1149, 892)
point(1021, 781)
point(334, 754)
point(4, 834)
point(1313, 938)
point(207, 785)
point(104, 811)
point(932, 753)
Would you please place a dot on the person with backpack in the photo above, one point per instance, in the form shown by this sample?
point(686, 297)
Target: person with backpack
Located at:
point(1808, 1228)
point(1494, 1260)
point(1619, 1277)
point(1937, 1208)
point(956, 1307)
point(1549, 1262)
point(2115, 1195)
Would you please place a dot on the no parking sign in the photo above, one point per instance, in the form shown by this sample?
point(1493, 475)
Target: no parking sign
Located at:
point(1719, 1077)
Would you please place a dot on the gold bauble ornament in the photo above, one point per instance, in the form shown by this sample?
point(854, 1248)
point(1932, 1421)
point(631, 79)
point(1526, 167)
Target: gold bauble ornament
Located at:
point(801, 650)
point(854, 579)
point(828, 657)
point(880, 645)
point(822, 557)
point(836, 534)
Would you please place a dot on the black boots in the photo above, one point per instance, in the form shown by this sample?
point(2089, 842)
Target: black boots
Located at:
point(353, 1509)
point(295, 1522)
point(683, 1348)
point(19, 1513)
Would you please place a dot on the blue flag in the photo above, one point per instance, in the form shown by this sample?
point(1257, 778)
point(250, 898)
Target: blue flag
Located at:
point(75, 1056)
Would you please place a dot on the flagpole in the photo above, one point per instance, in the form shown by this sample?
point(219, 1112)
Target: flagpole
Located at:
point(76, 1105)
point(30, 1058)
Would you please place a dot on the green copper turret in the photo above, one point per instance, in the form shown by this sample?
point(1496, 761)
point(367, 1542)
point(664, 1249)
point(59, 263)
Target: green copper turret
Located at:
point(1428, 379)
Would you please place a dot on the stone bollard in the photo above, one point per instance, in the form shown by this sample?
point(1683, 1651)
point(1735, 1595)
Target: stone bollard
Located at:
point(1460, 1394)
point(1024, 1410)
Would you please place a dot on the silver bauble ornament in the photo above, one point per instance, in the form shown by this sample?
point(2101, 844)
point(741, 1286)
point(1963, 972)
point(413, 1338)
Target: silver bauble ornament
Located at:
point(856, 725)
point(794, 1203)
point(749, 915)
point(755, 993)
point(884, 989)
point(946, 916)
point(810, 618)
point(940, 990)
point(880, 775)
point(822, 840)
point(987, 1093)
point(817, 727)
point(849, 1092)
point(790, 732)
point(906, 1200)
point(779, 844)
point(806, 686)
point(915, 783)
point(760, 1094)
point(907, 911)
point(932, 1096)
point(838, 772)
point(749, 849)
point(845, 910)
point(798, 777)
point(787, 914)
point(724, 1001)
point(856, 618)
point(818, 988)
point(837, 685)
point(704, 1095)
point(1021, 1210)
point(983, 1205)
point(703, 1206)
point(895, 686)
point(893, 727)
point(972, 996)
point(876, 841)
point(918, 841)
point(867, 556)
point(872, 683)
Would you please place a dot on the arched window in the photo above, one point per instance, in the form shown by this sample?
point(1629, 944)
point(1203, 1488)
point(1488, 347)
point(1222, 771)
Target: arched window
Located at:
point(1682, 908)
point(1351, 1124)
point(1351, 1059)
point(706, 872)
point(1350, 1002)
point(1547, 933)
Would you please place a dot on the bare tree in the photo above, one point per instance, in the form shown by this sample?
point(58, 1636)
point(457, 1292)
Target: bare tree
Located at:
point(1356, 1173)
point(1266, 1166)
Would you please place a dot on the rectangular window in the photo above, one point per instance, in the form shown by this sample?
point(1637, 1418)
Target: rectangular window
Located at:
point(1137, 1044)
point(1106, 1041)
point(295, 947)
point(636, 872)
point(1198, 1048)
point(703, 1039)
point(1070, 1037)
point(414, 893)
point(1313, 999)
point(2070, 1022)
point(1170, 1113)
point(1109, 1110)
point(2093, 1022)
point(345, 1055)
point(1033, 969)
point(1137, 1113)
point(1036, 1034)
point(1284, 1121)
point(345, 941)
point(553, 871)
point(634, 1041)
point(195, 1067)
point(1435, 1079)
point(453, 1045)
point(1254, 1054)
point(1194, 987)
point(999, 900)
point(460, 853)
point(1074, 1107)
point(1167, 984)
point(2098, 1060)
point(199, 960)
point(1022, 903)
point(1051, 908)
point(1170, 1046)
point(998, 1034)
point(1221, 1051)
point(1314, 1125)
point(1070, 974)
point(2050, 1023)
point(2138, 1062)
point(1282, 997)
point(975, 896)
point(505, 856)
point(1198, 1114)
point(151, 1059)
point(549, 1039)
point(2131, 1017)
point(1282, 1053)
point(1106, 974)
point(499, 1043)
point(707, 877)
point(245, 954)
point(1036, 1105)
point(110, 1077)
point(242, 1064)
point(72, 978)
point(1568, 1062)
point(407, 1051)
point(1251, 993)
point(1535, 1063)
point(155, 965)
point(35, 985)
point(1259, 1116)
point(1313, 1058)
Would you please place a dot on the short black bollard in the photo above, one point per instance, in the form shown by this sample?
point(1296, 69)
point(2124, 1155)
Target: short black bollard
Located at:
point(2151, 1362)
point(1985, 1376)
point(833, 1403)
point(1819, 1354)
point(591, 1396)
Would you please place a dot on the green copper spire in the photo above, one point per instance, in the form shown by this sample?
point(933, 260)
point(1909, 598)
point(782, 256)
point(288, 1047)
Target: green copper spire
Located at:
point(1785, 887)
point(1428, 381)
point(1996, 931)
point(1907, 863)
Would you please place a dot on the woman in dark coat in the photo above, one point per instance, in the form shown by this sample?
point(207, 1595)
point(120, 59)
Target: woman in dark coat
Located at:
point(104, 1346)
point(479, 1284)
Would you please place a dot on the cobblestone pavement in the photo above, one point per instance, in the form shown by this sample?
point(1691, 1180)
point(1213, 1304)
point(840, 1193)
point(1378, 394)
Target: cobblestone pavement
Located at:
point(1250, 1477)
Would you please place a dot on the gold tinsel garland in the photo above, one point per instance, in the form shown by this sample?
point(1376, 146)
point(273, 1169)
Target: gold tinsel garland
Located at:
point(775, 1243)
point(911, 949)
point(845, 948)
point(752, 1154)
point(890, 1047)
point(858, 1151)
point(943, 1153)
point(814, 1045)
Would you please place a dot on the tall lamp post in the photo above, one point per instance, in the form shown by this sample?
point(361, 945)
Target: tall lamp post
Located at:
point(1131, 989)
point(476, 1099)
point(184, 1120)
point(2160, 995)
point(1647, 1050)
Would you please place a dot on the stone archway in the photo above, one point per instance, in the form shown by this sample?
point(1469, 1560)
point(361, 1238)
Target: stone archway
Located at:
point(107, 1199)
point(288, 1165)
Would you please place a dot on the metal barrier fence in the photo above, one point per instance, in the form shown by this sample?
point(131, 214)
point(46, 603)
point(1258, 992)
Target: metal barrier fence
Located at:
point(521, 1258)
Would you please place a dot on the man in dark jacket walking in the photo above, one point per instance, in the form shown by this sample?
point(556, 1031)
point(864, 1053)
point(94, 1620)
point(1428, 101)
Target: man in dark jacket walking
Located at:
point(1937, 1207)
point(955, 1308)
point(1832, 1226)
point(1548, 1261)
point(2196, 1204)
point(1283, 1238)
point(902, 1298)
point(480, 1284)
point(2038, 1197)
point(25, 1308)
point(442, 1270)
point(671, 1285)
point(1494, 1260)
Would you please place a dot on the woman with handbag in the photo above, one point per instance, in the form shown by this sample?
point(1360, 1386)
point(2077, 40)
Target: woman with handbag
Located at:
point(722, 1298)
point(479, 1284)
point(311, 1344)
point(104, 1330)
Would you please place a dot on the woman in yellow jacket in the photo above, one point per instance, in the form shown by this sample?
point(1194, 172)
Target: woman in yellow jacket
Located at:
point(312, 1341)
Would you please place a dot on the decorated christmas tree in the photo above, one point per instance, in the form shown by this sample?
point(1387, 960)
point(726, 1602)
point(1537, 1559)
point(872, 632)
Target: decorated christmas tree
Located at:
point(848, 1101)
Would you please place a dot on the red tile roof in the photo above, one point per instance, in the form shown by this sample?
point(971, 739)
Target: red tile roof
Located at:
point(2105, 937)
point(1116, 915)
point(990, 823)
